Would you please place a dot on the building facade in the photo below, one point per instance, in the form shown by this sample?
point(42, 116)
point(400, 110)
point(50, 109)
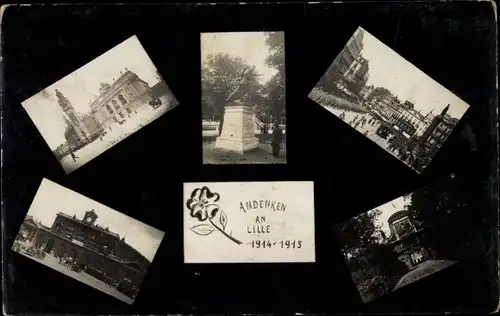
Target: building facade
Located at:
point(357, 74)
point(441, 132)
point(406, 240)
point(101, 252)
point(349, 54)
point(412, 117)
point(116, 103)
point(349, 70)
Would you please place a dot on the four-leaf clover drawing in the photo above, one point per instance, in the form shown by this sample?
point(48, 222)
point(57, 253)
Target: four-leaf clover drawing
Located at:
point(202, 207)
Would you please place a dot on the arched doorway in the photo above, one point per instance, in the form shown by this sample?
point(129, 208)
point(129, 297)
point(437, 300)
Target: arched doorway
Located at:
point(49, 245)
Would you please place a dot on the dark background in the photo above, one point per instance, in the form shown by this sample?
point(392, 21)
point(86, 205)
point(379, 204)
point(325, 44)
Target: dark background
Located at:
point(142, 176)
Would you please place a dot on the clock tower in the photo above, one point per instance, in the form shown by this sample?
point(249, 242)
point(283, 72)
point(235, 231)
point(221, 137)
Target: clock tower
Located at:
point(90, 217)
point(70, 113)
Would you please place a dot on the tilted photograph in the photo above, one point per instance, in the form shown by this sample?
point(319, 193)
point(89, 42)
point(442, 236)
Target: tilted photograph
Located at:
point(100, 104)
point(410, 238)
point(243, 98)
point(87, 241)
point(389, 100)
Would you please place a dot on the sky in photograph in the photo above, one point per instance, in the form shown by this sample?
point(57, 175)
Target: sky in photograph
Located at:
point(81, 87)
point(389, 70)
point(52, 198)
point(250, 46)
point(387, 210)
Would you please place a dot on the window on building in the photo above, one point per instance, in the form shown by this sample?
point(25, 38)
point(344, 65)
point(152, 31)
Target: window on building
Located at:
point(115, 104)
point(404, 227)
point(110, 110)
point(122, 99)
point(121, 115)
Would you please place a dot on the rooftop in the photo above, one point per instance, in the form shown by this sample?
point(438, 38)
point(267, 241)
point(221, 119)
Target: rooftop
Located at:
point(109, 88)
point(100, 228)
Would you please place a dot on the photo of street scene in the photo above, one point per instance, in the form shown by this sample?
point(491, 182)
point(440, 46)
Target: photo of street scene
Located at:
point(98, 105)
point(243, 98)
point(87, 241)
point(389, 100)
point(409, 238)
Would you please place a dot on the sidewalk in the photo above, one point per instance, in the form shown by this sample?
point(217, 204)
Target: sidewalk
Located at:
point(421, 271)
point(261, 155)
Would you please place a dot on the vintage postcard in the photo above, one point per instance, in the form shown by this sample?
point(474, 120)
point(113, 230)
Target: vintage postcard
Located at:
point(98, 105)
point(87, 241)
point(409, 238)
point(389, 100)
point(243, 98)
point(249, 222)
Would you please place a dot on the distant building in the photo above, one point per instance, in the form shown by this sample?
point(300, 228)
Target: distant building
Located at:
point(388, 105)
point(412, 117)
point(115, 104)
point(406, 240)
point(441, 132)
point(101, 252)
point(366, 92)
point(62, 150)
point(437, 131)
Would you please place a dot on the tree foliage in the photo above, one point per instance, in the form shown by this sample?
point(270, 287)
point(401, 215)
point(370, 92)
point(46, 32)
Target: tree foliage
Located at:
point(275, 87)
point(444, 212)
point(358, 232)
point(379, 92)
point(220, 77)
point(382, 259)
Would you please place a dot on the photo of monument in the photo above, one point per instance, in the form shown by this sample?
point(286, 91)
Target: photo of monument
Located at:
point(243, 98)
point(389, 100)
point(87, 241)
point(98, 105)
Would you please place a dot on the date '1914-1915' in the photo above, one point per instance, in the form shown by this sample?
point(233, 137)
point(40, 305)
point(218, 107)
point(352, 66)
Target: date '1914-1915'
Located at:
point(286, 244)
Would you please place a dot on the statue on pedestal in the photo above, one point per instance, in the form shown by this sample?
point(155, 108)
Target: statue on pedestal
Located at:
point(240, 93)
point(236, 126)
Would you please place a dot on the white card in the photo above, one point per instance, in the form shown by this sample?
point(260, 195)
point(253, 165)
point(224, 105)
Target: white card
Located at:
point(249, 222)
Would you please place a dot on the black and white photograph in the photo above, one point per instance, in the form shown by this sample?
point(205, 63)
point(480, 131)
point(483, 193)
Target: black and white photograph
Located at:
point(98, 105)
point(389, 100)
point(409, 238)
point(87, 241)
point(243, 98)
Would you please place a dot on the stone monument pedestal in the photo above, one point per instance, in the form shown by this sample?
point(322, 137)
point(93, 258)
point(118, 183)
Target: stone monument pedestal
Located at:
point(238, 132)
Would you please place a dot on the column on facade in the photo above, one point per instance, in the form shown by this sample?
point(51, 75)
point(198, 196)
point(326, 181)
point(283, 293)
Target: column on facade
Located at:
point(127, 105)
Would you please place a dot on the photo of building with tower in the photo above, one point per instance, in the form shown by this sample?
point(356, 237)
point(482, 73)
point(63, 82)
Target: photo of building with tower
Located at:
point(99, 104)
point(389, 100)
point(410, 238)
point(112, 254)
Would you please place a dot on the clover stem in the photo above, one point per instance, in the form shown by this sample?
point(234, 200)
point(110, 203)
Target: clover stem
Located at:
point(224, 233)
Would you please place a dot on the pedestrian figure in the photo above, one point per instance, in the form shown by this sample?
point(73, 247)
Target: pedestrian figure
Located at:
point(73, 155)
point(277, 139)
